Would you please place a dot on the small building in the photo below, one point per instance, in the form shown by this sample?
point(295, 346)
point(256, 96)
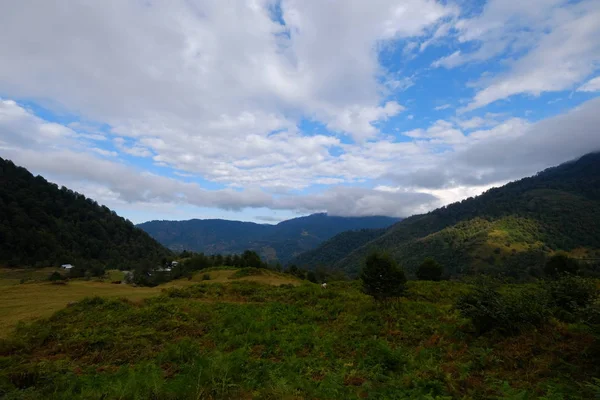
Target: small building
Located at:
point(66, 266)
point(174, 263)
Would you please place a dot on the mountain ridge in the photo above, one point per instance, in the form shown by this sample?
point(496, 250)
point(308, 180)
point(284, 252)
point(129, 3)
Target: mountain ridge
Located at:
point(559, 207)
point(279, 241)
point(44, 225)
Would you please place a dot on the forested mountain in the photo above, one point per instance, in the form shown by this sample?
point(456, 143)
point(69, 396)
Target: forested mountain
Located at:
point(509, 229)
point(44, 225)
point(273, 242)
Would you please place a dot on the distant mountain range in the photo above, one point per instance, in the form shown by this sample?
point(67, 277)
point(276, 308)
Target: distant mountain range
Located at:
point(507, 230)
point(279, 242)
point(43, 225)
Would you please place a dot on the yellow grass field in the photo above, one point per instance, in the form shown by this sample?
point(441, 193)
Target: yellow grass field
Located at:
point(38, 298)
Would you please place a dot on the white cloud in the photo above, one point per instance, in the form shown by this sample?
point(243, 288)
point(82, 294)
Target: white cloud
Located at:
point(547, 45)
point(510, 150)
point(359, 120)
point(593, 85)
point(441, 131)
point(219, 93)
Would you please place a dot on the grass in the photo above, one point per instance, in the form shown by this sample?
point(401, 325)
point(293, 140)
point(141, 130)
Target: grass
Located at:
point(244, 340)
point(39, 298)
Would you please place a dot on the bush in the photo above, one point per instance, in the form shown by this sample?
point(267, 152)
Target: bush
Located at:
point(590, 315)
point(569, 294)
point(206, 277)
point(509, 313)
point(381, 277)
point(55, 277)
point(430, 270)
point(560, 264)
point(242, 272)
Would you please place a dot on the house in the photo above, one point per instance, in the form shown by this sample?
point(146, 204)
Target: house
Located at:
point(174, 263)
point(66, 266)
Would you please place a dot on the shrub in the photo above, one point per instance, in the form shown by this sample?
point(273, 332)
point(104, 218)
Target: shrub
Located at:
point(560, 264)
point(508, 313)
point(206, 277)
point(242, 272)
point(569, 294)
point(55, 277)
point(590, 315)
point(430, 270)
point(381, 277)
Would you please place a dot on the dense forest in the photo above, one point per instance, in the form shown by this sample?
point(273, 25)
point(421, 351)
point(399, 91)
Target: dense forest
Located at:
point(506, 230)
point(44, 225)
point(280, 242)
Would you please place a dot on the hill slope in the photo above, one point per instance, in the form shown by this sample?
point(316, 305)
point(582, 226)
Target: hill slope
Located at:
point(282, 241)
point(44, 225)
point(509, 228)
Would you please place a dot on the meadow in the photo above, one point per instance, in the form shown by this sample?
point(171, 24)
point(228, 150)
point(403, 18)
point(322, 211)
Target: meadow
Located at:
point(241, 338)
point(25, 294)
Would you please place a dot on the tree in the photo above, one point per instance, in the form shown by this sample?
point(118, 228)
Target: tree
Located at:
point(560, 264)
point(430, 270)
point(310, 275)
point(251, 259)
point(381, 277)
point(55, 276)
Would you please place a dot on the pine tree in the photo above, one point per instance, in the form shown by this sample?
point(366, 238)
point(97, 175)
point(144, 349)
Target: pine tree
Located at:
point(430, 270)
point(382, 278)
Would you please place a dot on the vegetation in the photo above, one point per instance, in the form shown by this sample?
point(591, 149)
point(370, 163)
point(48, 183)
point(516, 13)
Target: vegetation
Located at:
point(26, 293)
point(382, 278)
point(279, 242)
point(506, 231)
point(249, 340)
point(507, 313)
point(430, 270)
point(42, 225)
point(568, 298)
point(560, 264)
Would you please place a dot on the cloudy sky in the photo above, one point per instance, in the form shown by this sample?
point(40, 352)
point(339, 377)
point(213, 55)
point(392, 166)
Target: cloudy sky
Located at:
point(262, 110)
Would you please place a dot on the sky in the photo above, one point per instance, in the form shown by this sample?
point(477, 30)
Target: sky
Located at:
point(263, 110)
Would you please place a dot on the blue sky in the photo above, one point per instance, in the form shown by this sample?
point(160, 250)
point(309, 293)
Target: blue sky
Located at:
point(263, 110)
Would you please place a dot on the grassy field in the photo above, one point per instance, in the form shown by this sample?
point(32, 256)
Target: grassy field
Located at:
point(239, 339)
point(38, 298)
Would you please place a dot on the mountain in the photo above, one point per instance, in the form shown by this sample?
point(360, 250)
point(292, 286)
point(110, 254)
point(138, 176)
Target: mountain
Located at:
point(274, 242)
point(508, 229)
point(44, 225)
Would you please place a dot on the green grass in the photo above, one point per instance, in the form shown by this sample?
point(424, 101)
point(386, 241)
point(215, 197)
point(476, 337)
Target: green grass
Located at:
point(244, 340)
point(39, 298)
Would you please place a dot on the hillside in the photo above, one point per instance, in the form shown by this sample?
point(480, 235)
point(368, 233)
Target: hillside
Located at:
point(44, 225)
point(507, 229)
point(238, 339)
point(274, 242)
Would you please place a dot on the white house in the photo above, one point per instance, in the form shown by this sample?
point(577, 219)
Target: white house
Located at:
point(66, 266)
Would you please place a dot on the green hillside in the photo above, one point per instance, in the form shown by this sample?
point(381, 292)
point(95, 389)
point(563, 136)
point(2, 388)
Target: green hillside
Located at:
point(237, 339)
point(43, 225)
point(507, 229)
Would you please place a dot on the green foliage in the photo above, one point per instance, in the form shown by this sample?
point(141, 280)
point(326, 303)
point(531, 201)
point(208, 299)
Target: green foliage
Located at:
point(508, 313)
point(56, 276)
point(246, 272)
point(252, 259)
point(43, 225)
point(381, 277)
point(560, 264)
point(571, 293)
point(247, 340)
point(430, 270)
point(206, 277)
